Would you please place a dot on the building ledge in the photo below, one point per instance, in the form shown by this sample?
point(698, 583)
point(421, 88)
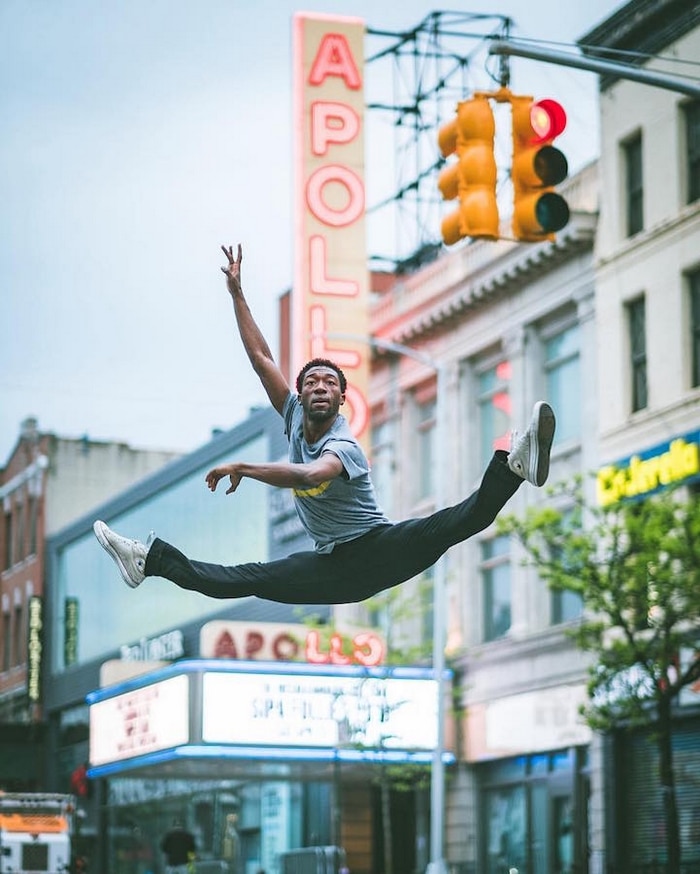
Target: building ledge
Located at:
point(432, 300)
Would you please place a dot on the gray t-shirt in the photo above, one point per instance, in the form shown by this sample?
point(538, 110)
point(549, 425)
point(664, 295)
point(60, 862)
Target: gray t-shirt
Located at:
point(340, 509)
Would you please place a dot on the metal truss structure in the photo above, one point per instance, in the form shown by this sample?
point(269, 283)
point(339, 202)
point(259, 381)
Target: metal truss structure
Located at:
point(414, 80)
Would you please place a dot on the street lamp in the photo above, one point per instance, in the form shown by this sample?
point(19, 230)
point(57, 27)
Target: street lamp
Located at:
point(437, 863)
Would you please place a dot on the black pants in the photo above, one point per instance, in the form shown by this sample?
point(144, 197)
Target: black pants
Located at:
point(387, 555)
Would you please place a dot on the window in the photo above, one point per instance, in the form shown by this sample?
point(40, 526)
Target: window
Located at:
point(383, 464)
point(19, 635)
point(692, 137)
point(634, 190)
point(566, 606)
point(506, 835)
point(9, 530)
point(6, 640)
point(33, 522)
point(636, 311)
point(426, 449)
point(20, 513)
point(494, 410)
point(694, 283)
point(495, 575)
point(563, 375)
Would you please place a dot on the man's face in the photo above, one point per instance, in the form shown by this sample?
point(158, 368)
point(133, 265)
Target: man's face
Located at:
point(321, 396)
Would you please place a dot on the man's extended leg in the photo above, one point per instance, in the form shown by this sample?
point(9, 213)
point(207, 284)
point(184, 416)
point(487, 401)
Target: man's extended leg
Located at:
point(392, 554)
point(301, 578)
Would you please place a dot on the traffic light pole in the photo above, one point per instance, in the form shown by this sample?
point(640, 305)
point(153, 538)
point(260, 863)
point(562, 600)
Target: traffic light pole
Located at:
point(623, 71)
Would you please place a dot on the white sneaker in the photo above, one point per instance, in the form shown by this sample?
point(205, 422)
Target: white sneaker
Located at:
point(529, 454)
point(128, 555)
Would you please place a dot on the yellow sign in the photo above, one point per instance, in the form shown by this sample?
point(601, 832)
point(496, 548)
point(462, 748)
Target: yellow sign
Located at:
point(35, 645)
point(665, 465)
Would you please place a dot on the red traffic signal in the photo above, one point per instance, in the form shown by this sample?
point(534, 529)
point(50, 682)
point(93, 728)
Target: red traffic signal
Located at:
point(538, 211)
point(548, 120)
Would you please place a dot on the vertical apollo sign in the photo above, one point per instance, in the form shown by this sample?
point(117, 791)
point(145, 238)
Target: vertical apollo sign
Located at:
point(330, 295)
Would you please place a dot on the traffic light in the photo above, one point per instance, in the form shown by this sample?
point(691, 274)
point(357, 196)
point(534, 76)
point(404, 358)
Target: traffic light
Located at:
point(538, 211)
point(473, 178)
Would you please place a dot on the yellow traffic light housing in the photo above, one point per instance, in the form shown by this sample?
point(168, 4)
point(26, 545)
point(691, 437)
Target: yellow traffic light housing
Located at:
point(538, 211)
point(473, 178)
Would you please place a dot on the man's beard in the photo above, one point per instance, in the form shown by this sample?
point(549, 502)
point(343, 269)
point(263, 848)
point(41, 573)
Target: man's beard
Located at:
point(322, 414)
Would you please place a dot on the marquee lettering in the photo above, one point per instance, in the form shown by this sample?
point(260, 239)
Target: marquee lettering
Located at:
point(364, 648)
point(367, 650)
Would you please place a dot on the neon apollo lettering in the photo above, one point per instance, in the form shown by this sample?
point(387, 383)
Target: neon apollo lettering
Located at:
point(367, 649)
point(334, 123)
point(641, 476)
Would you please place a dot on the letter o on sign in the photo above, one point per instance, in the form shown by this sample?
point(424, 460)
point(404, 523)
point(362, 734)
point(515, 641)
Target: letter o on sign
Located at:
point(330, 215)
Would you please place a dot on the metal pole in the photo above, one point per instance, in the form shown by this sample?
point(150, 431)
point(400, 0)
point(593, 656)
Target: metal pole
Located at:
point(623, 71)
point(437, 863)
point(437, 783)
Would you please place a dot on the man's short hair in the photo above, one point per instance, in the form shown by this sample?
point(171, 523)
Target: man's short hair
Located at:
point(321, 362)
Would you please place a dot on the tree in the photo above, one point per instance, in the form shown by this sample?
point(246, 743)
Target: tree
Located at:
point(636, 566)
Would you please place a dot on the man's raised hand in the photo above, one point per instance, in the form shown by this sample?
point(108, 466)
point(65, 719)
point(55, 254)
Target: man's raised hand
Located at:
point(218, 473)
point(232, 271)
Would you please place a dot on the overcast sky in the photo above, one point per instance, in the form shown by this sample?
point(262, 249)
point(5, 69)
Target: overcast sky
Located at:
point(139, 135)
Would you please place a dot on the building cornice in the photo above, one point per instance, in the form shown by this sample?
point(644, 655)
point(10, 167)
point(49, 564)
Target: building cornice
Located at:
point(642, 27)
point(31, 473)
point(658, 236)
point(475, 276)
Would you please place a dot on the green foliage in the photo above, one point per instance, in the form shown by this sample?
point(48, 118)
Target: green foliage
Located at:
point(404, 778)
point(402, 609)
point(636, 565)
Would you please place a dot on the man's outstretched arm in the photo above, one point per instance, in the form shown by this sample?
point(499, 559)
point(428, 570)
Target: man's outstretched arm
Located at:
point(254, 343)
point(282, 474)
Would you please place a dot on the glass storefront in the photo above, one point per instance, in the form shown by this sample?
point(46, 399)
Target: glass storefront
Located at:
point(238, 827)
point(534, 813)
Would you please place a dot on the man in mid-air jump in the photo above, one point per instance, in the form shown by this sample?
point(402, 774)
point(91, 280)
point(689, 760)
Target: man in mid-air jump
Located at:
point(357, 550)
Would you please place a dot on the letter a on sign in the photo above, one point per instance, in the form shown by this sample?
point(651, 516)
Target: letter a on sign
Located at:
point(334, 58)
